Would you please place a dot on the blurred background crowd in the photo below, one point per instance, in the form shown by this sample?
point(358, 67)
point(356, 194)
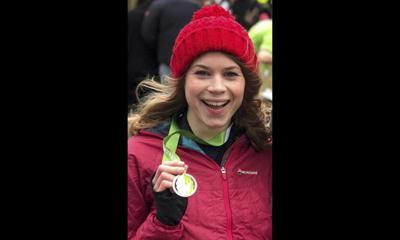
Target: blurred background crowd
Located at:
point(153, 26)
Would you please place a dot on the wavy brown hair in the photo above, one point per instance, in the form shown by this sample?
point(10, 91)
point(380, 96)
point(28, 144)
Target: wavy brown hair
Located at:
point(167, 99)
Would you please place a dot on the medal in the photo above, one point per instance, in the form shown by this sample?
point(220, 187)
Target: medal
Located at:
point(184, 185)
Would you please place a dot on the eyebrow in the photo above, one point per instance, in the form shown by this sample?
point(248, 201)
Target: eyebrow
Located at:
point(206, 67)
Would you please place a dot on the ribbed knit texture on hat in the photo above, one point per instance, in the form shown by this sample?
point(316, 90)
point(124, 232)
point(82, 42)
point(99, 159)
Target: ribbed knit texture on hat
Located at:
point(212, 28)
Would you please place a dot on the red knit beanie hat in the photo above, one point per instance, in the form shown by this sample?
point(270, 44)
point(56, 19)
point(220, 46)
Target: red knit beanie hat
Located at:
point(212, 28)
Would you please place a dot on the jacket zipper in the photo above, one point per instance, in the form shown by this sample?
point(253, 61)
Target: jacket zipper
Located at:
point(226, 194)
point(225, 186)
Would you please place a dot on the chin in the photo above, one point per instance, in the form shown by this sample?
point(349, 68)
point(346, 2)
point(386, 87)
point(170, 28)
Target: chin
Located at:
point(217, 123)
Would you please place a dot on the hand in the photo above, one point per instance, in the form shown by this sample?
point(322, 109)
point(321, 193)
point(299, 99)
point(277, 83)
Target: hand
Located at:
point(170, 207)
point(165, 174)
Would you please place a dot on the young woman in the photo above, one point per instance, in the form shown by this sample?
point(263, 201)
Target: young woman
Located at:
point(199, 159)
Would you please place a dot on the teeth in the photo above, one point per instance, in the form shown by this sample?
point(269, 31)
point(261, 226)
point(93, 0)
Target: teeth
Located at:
point(216, 104)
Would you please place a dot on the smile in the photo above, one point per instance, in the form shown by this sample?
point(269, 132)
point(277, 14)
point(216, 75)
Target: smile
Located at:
point(214, 104)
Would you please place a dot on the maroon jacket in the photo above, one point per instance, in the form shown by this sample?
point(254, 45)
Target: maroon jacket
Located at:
point(232, 201)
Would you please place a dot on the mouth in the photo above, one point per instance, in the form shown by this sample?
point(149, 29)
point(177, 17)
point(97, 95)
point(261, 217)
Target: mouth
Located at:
point(215, 104)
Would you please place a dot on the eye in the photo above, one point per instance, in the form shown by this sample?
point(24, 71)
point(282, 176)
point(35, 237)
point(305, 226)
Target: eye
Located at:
point(231, 74)
point(201, 73)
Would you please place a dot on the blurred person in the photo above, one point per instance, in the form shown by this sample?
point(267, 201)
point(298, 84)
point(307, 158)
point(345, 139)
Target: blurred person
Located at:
point(199, 155)
point(163, 21)
point(265, 8)
point(132, 4)
point(242, 10)
point(261, 35)
point(225, 4)
point(142, 60)
point(246, 12)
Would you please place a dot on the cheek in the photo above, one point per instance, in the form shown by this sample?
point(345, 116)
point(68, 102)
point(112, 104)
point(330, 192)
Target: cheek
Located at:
point(238, 92)
point(191, 93)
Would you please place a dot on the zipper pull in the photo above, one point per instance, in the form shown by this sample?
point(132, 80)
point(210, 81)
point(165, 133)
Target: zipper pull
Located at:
point(223, 173)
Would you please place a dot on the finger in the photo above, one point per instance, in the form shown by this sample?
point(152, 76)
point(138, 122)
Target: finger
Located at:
point(157, 187)
point(163, 182)
point(156, 176)
point(168, 169)
point(174, 163)
point(175, 171)
point(166, 176)
point(171, 169)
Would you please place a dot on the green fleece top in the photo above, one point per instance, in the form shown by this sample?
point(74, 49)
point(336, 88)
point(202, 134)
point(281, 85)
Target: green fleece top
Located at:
point(261, 35)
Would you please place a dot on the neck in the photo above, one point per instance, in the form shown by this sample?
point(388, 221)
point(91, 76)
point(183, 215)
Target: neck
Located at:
point(201, 130)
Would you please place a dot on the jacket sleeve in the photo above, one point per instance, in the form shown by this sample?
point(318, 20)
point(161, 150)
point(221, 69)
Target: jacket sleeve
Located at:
point(142, 221)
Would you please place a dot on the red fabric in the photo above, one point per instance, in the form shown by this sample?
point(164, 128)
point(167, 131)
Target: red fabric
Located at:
point(211, 29)
point(240, 200)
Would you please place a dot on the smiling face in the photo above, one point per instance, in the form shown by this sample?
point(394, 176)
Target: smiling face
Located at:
point(214, 90)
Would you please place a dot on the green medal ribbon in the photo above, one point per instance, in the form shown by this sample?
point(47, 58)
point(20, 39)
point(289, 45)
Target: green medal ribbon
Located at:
point(170, 142)
point(185, 185)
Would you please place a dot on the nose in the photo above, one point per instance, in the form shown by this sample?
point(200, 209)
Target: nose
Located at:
point(216, 84)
